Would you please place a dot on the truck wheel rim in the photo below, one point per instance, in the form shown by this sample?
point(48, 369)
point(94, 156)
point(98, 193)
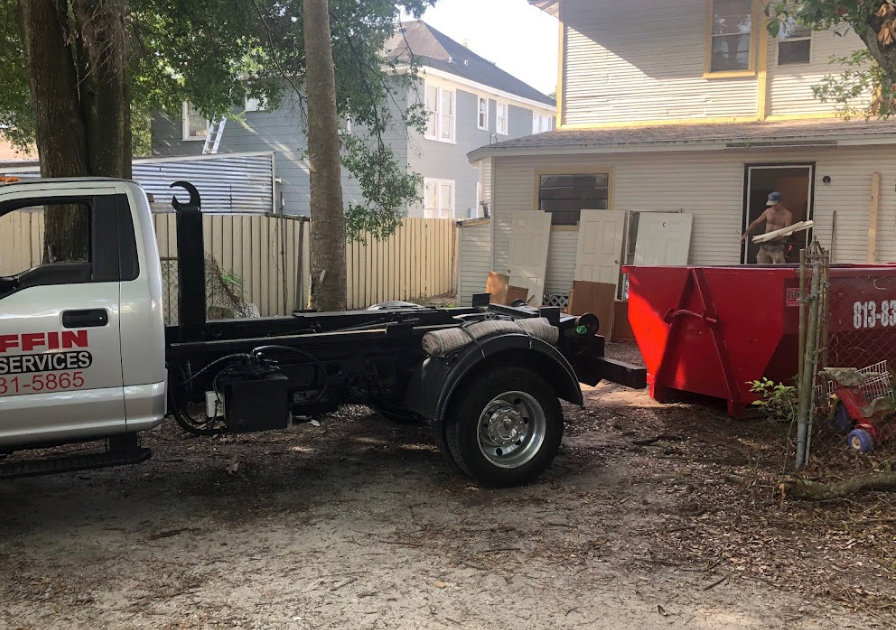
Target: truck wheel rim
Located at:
point(511, 429)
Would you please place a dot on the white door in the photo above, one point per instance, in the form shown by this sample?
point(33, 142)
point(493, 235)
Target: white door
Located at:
point(600, 246)
point(664, 238)
point(528, 261)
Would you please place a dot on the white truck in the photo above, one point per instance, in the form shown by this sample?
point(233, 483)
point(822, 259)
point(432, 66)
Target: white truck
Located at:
point(85, 355)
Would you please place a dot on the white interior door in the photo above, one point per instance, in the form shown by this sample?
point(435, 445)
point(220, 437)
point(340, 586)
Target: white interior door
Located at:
point(528, 260)
point(599, 248)
point(664, 238)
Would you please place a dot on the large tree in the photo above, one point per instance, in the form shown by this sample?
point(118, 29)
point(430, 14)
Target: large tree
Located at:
point(93, 65)
point(328, 239)
point(871, 70)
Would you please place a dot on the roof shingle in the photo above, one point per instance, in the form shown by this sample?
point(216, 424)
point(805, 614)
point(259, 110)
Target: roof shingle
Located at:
point(748, 134)
point(429, 47)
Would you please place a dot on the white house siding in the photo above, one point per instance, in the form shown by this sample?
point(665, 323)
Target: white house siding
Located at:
point(641, 61)
point(709, 184)
point(561, 261)
point(474, 252)
point(790, 86)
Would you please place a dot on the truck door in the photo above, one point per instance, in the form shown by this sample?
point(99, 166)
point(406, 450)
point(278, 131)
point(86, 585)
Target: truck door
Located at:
point(60, 349)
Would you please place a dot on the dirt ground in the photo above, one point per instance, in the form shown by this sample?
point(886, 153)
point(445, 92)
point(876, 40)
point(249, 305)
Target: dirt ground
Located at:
point(359, 523)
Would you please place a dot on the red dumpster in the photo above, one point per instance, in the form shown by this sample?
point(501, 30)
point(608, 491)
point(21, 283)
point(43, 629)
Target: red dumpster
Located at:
point(711, 330)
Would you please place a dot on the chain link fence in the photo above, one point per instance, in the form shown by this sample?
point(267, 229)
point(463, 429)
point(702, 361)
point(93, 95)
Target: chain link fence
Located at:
point(224, 292)
point(852, 359)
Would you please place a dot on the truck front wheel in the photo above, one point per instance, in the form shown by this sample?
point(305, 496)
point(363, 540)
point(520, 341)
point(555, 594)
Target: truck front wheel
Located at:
point(505, 428)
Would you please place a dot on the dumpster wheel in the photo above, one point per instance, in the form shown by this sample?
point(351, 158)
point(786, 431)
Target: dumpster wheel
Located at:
point(506, 429)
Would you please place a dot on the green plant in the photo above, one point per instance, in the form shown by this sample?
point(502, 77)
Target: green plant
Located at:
point(776, 400)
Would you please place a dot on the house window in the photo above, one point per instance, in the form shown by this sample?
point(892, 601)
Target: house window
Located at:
point(794, 43)
point(501, 124)
point(565, 196)
point(195, 125)
point(438, 198)
point(541, 123)
point(731, 35)
point(440, 109)
point(255, 105)
point(482, 121)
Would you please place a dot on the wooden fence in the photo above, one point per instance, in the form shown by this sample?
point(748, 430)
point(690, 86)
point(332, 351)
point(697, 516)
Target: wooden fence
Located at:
point(269, 257)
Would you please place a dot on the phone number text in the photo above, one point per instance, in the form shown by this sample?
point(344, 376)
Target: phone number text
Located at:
point(33, 384)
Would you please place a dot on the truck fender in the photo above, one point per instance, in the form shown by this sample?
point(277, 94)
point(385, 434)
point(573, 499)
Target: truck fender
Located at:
point(436, 379)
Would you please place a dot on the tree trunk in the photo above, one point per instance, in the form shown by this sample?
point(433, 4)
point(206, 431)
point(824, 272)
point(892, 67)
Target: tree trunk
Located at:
point(76, 57)
point(105, 92)
point(327, 213)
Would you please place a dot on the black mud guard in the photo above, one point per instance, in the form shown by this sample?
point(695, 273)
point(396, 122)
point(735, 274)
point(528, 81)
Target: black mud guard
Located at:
point(435, 381)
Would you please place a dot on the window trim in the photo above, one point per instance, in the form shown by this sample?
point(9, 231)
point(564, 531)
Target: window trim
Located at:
point(437, 137)
point(506, 105)
point(438, 184)
point(574, 168)
point(488, 108)
point(707, 43)
point(112, 243)
point(779, 41)
point(540, 118)
point(185, 125)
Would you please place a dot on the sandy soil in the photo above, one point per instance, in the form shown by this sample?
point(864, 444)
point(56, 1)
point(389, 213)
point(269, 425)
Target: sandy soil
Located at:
point(359, 523)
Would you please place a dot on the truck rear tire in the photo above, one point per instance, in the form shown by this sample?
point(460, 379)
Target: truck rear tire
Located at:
point(506, 427)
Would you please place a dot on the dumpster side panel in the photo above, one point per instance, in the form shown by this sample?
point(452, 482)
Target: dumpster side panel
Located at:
point(711, 330)
point(862, 316)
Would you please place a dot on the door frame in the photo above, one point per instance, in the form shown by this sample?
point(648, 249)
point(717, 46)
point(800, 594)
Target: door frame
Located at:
point(745, 210)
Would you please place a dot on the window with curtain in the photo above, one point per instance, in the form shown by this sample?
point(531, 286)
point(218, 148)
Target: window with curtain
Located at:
point(731, 35)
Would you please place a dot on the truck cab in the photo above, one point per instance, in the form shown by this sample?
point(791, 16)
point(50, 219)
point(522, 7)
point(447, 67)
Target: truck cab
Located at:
point(82, 340)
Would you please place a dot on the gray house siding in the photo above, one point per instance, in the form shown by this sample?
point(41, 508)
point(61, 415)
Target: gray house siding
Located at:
point(280, 131)
point(444, 160)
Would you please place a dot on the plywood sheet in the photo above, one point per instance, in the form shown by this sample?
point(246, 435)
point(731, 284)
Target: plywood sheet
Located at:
point(516, 293)
point(595, 297)
point(497, 284)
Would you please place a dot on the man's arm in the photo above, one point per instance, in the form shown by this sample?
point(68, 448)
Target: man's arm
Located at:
point(761, 218)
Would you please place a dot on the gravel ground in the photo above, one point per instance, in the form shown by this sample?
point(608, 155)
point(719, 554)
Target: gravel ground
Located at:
point(651, 516)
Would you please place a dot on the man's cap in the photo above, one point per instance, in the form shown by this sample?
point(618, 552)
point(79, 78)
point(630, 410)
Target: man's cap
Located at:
point(774, 198)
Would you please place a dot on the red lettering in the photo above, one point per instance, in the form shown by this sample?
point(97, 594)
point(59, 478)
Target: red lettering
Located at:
point(53, 340)
point(31, 340)
point(74, 339)
point(8, 341)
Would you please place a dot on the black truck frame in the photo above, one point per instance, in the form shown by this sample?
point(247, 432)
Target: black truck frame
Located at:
point(493, 404)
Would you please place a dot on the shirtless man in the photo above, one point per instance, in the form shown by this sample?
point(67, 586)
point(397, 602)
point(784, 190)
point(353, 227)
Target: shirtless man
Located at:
point(776, 216)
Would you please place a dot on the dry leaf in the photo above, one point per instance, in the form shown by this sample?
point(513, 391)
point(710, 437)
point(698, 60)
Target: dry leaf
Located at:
point(661, 611)
point(439, 584)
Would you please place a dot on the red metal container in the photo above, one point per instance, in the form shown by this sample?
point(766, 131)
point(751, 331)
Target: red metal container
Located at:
point(712, 330)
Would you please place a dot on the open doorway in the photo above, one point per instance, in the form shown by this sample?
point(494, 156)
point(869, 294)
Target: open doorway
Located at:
point(795, 183)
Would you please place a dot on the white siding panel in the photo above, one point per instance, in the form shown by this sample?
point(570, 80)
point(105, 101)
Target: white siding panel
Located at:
point(639, 61)
point(710, 185)
point(516, 186)
point(561, 261)
point(474, 260)
point(485, 179)
point(790, 86)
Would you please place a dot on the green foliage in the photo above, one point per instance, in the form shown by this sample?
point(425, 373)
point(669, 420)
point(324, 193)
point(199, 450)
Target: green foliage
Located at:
point(849, 90)
point(871, 70)
point(217, 53)
point(776, 400)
